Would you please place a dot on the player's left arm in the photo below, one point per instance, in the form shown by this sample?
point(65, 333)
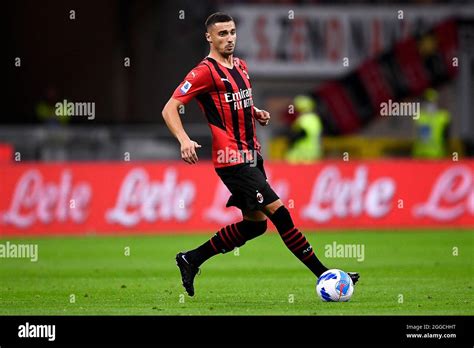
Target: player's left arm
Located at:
point(262, 116)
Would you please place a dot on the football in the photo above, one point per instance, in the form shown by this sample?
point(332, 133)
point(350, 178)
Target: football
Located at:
point(335, 285)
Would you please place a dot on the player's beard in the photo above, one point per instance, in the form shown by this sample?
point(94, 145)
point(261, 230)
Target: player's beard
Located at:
point(228, 51)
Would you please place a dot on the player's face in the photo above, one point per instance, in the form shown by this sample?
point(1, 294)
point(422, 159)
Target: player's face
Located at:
point(222, 36)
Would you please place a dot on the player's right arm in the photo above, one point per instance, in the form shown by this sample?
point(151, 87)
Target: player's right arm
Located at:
point(173, 121)
point(198, 81)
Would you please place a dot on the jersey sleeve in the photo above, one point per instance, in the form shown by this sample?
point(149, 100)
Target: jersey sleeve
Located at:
point(197, 81)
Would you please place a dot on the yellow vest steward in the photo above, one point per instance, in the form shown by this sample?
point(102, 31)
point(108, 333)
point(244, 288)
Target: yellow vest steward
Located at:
point(308, 148)
point(430, 128)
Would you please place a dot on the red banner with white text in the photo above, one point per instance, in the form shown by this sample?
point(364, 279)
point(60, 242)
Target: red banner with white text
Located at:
point(80, 198)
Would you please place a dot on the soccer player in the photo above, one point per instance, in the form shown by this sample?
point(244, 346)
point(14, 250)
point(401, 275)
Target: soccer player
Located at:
point(222, 87)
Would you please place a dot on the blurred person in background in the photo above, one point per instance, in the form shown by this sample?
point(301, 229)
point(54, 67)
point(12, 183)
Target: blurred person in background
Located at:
point(432, 128)
point(54, 115)
point(305, 132)
point(46, 109)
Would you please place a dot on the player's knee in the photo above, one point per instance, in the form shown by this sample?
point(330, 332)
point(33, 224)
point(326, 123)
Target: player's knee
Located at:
point(253, 229)
point(271, 208)
point(263, 226)
point(260, 227)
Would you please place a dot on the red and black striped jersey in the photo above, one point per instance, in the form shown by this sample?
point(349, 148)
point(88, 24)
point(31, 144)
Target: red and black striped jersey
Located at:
point(225, 97)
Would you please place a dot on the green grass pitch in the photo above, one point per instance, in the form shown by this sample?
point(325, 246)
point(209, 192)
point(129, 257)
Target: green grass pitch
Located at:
point(403, 273)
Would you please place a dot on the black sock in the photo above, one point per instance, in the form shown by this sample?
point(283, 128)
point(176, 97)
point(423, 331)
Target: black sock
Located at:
point(229, 237)
point(201, 254)
point(296, 241)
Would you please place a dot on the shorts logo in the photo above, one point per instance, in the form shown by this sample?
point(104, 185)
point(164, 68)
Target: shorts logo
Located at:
point(185, 87)
point(259, 197)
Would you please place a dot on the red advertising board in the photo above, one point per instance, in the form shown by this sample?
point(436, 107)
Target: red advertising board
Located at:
point(80, 198)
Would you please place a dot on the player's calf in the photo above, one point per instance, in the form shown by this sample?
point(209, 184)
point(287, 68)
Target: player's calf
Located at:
point(294, 239)
point(236, 235)
point(225, 240)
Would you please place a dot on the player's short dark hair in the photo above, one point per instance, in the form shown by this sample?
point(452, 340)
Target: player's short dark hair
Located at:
point(218, 17)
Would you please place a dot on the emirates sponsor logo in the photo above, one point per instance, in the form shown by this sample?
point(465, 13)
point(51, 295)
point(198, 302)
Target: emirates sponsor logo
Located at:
point(241, 99)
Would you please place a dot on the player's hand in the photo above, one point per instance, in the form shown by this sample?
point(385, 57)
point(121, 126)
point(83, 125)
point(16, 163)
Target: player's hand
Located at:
point(262, 116)
point(188, 151)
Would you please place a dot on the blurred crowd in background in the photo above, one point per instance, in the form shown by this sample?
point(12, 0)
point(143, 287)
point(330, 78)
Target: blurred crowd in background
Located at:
point(371, 79)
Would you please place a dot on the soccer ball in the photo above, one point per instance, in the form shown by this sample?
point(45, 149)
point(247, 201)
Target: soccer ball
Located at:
point(335, 285)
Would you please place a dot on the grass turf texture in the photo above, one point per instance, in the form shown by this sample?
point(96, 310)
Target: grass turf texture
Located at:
point(265, 279)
